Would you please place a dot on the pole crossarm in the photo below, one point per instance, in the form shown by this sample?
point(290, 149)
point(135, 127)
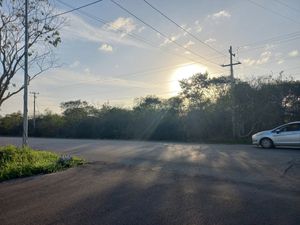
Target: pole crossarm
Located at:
point(233, 64)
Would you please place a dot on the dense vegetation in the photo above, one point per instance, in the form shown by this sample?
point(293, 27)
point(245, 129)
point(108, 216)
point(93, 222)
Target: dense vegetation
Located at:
point(21, 162)
point(201, 112)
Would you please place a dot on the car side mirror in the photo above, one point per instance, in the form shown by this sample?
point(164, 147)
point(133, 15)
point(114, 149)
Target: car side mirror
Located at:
point(277, 131)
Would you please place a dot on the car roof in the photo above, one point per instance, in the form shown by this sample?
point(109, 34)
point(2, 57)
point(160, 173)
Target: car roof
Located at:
point(287, 124)
point(294, 122)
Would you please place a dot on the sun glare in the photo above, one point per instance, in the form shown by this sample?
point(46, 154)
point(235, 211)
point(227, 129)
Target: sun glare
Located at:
point(184, 72)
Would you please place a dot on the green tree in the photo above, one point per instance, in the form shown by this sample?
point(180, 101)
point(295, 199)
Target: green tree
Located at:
point(49, 125)
point(11, 124)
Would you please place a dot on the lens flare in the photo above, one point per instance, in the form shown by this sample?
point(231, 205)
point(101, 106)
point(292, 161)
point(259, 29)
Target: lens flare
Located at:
point(184, 72)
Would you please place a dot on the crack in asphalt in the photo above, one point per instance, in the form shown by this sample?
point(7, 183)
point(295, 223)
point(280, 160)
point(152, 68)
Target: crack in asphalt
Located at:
point(291, 164)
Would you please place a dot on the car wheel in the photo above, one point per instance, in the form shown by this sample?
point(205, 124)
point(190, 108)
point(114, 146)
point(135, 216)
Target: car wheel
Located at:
point(266, 143)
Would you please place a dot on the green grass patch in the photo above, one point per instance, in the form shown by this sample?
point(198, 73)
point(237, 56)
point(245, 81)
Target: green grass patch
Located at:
point(21, 162)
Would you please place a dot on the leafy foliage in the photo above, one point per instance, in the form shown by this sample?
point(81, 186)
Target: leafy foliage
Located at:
point(202, 112)
point(21, 162)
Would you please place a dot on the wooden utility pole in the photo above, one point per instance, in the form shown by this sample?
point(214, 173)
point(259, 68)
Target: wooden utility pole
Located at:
point(25, 104)
point(232, 90)
point(34, 100)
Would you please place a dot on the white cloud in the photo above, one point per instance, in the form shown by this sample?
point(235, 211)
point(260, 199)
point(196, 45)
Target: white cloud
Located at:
point(75, 64)
point(62, 78)
point(106, 48)
point(64, 84)
point(249, 62)
point(141, 29)
point(293, 53)
point(269, 46)
point(170, 40)
point(79, 29)
point(188, 44)
point(198, 27)
point(264, 57)
point(125, 24)
point(187, 28)
point(280, 61)
point(210, 40)
point(220, 14)
point(87, 70)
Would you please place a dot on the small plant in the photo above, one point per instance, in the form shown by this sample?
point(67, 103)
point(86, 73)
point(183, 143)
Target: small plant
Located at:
point(21, 162)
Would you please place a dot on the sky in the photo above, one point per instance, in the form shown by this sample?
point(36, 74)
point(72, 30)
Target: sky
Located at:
point(109, 56)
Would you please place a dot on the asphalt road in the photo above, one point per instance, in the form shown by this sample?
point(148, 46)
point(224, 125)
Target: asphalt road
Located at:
point(129, 182)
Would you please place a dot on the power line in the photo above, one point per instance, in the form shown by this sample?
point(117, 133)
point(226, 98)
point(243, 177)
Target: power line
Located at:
point(132, 35)
point(182, 28)
point(283, 58)
point(162, 34)
point(278, 42)
point(260, 66)
point(157, 69)
point(274, 38)
point(286, 5)
point(107, 22)
point(280, 39)
point(144, 40)
point(273, 11)
point(75, 9)
point(102, 22)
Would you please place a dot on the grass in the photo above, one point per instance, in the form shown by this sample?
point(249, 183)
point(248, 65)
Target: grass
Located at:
point(21, 162)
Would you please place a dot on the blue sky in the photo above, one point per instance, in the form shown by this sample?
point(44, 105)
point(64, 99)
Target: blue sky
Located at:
point(101, 64)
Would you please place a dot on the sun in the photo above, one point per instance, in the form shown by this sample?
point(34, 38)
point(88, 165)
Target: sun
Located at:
point(184, 72)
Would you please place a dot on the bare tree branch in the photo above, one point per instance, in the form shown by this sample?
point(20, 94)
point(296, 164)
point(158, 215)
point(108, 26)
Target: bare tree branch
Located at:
point(43, 37)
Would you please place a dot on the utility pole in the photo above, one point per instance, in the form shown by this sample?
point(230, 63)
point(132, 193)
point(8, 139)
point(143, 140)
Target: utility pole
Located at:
point(233, 119)
point(34, 100)
point(25, 104)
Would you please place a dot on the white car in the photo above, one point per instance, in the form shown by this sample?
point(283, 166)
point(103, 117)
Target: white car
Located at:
point(284, 135)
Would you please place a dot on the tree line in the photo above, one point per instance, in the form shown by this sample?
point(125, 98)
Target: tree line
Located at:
point(201, 112)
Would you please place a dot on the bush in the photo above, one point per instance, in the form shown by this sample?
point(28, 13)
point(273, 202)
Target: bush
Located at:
point(21, 162)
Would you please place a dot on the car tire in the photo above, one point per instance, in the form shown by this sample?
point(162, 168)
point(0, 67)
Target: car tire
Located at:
point(266, 143)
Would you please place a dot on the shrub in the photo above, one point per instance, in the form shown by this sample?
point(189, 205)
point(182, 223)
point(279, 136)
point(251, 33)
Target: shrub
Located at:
point(21, 162)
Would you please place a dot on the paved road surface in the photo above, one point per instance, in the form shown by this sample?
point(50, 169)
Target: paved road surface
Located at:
point(129, 182)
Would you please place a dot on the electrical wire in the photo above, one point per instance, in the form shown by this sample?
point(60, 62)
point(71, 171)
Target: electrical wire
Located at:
point(159, 69)
point(132, 35)
point(182, 28)
point(135, 37)
point(274, 12)
point(77, 8)
point(279, 42)
point(286, 5)
point(162, 34)
point(274, 38)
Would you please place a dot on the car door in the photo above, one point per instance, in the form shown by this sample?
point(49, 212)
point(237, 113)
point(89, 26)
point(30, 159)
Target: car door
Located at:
point(287, 135)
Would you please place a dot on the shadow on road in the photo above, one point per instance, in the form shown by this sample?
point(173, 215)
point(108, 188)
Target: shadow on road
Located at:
point(156, 183)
